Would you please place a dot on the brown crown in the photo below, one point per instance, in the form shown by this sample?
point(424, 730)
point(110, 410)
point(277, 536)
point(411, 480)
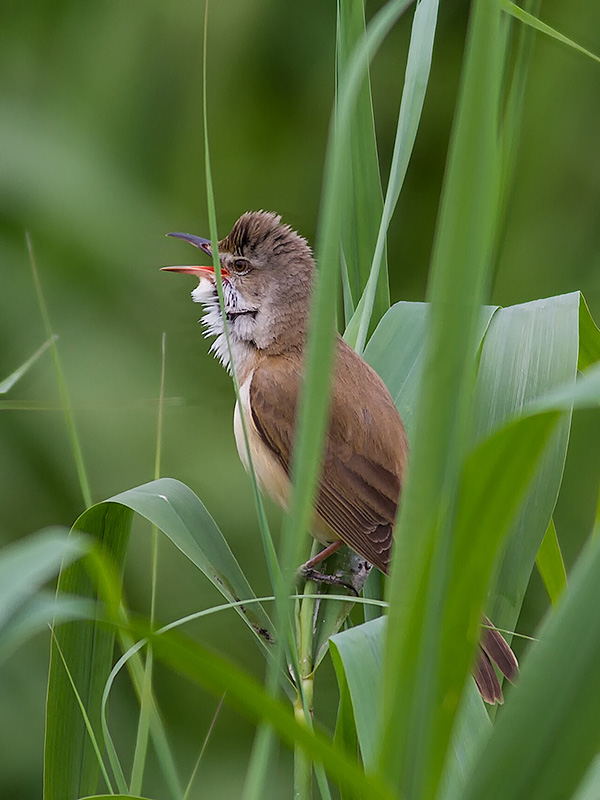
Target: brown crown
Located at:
point(256, 228)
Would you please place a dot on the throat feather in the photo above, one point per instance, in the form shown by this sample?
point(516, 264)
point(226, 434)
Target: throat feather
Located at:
point(213, 324)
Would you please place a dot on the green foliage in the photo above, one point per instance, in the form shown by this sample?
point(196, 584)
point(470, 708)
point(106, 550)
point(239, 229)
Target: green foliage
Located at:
point(361, 216)
point(540, 26)
point(559, 684)
point(24, 569)
point(487, 395)
point(550, 563)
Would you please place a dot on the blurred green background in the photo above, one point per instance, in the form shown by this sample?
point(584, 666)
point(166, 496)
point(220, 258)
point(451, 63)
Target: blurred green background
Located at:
point(101, 153)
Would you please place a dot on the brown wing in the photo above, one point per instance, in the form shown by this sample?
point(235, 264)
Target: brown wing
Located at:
point(366, 447)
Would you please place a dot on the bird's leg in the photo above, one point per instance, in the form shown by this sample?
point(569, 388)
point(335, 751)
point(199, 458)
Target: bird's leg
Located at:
point(308, 572)
point(325, 553)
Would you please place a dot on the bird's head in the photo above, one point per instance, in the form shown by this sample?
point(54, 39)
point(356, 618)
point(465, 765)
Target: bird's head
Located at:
point(266, 269)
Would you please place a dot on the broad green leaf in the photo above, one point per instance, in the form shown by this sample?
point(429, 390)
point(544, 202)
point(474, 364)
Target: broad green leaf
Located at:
point(180, 515)
point(70, 763)
point(540, 26)
point(396, 351)
point(88, 647)
point(7, 384)
point(397, 348)
point(357, 657)
point(528, 350)
point(550, 563)
point(365, 204)
point(548, 734)
point(413, 95)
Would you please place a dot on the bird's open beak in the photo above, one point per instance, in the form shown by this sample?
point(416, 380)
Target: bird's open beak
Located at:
point(201, 244)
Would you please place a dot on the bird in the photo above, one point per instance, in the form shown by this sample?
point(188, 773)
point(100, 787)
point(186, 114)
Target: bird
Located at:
point(268, 273)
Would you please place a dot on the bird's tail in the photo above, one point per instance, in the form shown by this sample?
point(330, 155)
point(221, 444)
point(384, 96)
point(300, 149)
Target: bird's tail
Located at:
point(493, 649)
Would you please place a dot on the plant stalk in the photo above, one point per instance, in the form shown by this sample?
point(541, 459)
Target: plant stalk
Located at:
point(303, 704)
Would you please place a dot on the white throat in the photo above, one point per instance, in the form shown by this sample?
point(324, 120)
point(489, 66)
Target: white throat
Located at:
point(240, 326)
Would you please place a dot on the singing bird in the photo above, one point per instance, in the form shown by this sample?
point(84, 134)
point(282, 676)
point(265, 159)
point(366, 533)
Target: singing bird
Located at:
point(267, 274)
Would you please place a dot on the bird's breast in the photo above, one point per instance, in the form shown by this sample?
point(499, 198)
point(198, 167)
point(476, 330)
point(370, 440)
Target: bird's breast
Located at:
point(270, 475)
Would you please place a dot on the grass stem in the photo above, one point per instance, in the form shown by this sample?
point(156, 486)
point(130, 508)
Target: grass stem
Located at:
point(62, 385)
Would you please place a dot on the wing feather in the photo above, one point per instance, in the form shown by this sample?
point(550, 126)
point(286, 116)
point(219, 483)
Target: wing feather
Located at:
point(365, 451)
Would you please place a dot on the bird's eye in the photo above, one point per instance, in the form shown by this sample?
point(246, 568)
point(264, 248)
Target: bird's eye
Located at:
point(240, 266)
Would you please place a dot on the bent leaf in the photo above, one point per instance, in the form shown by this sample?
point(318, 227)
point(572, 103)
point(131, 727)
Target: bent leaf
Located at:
point(71, 765)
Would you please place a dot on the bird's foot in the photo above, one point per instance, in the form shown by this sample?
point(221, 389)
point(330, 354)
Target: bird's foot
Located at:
point(310, 574)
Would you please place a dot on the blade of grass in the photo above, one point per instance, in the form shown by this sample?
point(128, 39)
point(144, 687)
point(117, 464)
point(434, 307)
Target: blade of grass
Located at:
point(203, 748)
point(345, 727)
point(113, 797)
point(513, 111)
point(159, 737)
point(228, 606)
point(495, 478)
point(559, 685)
point(284, 643)
point(471, 731)
point(36, 614)
point(159, 427)
point(141, 742)
point(413, 96)
point(551, 565)
point(268, 546)
point(244, 693)
point(7, 384)
point(538, 25)
point(320, 345)
point(415, 735)
point(360, 221)
point(146, 700)
point(26, 565)
point(111, 750)
point(62, 385)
